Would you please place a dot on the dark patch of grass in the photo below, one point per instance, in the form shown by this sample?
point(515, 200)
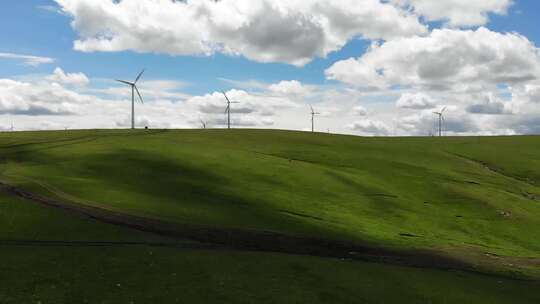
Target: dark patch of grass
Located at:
point(146, 273)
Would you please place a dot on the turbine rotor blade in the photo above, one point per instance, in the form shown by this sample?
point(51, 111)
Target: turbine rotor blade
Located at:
point(443, 109)
point(126, 82)
point(139, 76)
point(227, 109)
point(226, 96)
point(138, 93)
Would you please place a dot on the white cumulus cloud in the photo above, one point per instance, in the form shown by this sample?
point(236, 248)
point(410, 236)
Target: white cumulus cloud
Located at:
point(370, 127)
point(360, 111)
point(290, 31)
point(33, 99)
point(457, 12)
point(491, 105)
point(445, 59)
point(77, 79)
point(415, 101)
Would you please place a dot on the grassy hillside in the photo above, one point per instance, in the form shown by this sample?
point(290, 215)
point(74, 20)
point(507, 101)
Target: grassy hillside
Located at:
point(50, 256)
point(476, 199)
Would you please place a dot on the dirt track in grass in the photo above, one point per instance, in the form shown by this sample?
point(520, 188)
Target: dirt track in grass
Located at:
point(207, 238)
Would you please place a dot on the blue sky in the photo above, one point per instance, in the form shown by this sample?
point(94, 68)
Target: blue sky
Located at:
point(50, 34)
point(36, 28)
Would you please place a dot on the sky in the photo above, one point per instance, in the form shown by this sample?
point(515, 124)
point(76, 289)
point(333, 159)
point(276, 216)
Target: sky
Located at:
point(369, 67)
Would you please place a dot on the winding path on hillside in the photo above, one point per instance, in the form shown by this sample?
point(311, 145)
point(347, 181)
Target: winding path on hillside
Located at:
point(208, 238)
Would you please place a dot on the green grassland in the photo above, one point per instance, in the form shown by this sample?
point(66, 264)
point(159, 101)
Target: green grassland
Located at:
point(474, 199)
point(51, 256)
point(450, 192)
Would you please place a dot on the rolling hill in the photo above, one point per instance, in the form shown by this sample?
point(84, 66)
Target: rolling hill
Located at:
point(470, 205)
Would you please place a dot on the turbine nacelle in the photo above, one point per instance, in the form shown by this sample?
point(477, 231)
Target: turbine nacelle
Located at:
point(313, 111)
point(441, 113)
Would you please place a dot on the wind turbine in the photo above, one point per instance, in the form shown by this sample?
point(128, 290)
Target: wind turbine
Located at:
point(313, 113)
point(133, 89)
point(203, 123)
point(441, 119)
point(228, 109)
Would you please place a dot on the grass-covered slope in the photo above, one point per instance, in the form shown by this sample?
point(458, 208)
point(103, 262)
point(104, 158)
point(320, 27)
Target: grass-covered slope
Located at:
point(52, 256)
point(473, 198)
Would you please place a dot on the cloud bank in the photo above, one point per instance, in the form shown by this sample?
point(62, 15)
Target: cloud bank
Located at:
point(489, 81)
point(289, 31)
point(27, 59)
point(457, 13)
point(446, 59)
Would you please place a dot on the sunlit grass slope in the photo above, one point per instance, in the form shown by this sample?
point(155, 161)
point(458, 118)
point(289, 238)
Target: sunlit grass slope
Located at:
point(463, 196)
point(50, 256)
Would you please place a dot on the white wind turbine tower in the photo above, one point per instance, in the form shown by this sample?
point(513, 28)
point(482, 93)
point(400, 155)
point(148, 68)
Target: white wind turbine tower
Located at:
point(228, 109)
point(133, 89)
point(313, 113)
point(441, 119)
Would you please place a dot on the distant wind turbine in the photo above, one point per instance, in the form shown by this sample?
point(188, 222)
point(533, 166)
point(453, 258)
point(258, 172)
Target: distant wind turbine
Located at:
point(441, 119)
point(133, 89)
point(203, 123)
point(313, 113)
point(228, 109)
